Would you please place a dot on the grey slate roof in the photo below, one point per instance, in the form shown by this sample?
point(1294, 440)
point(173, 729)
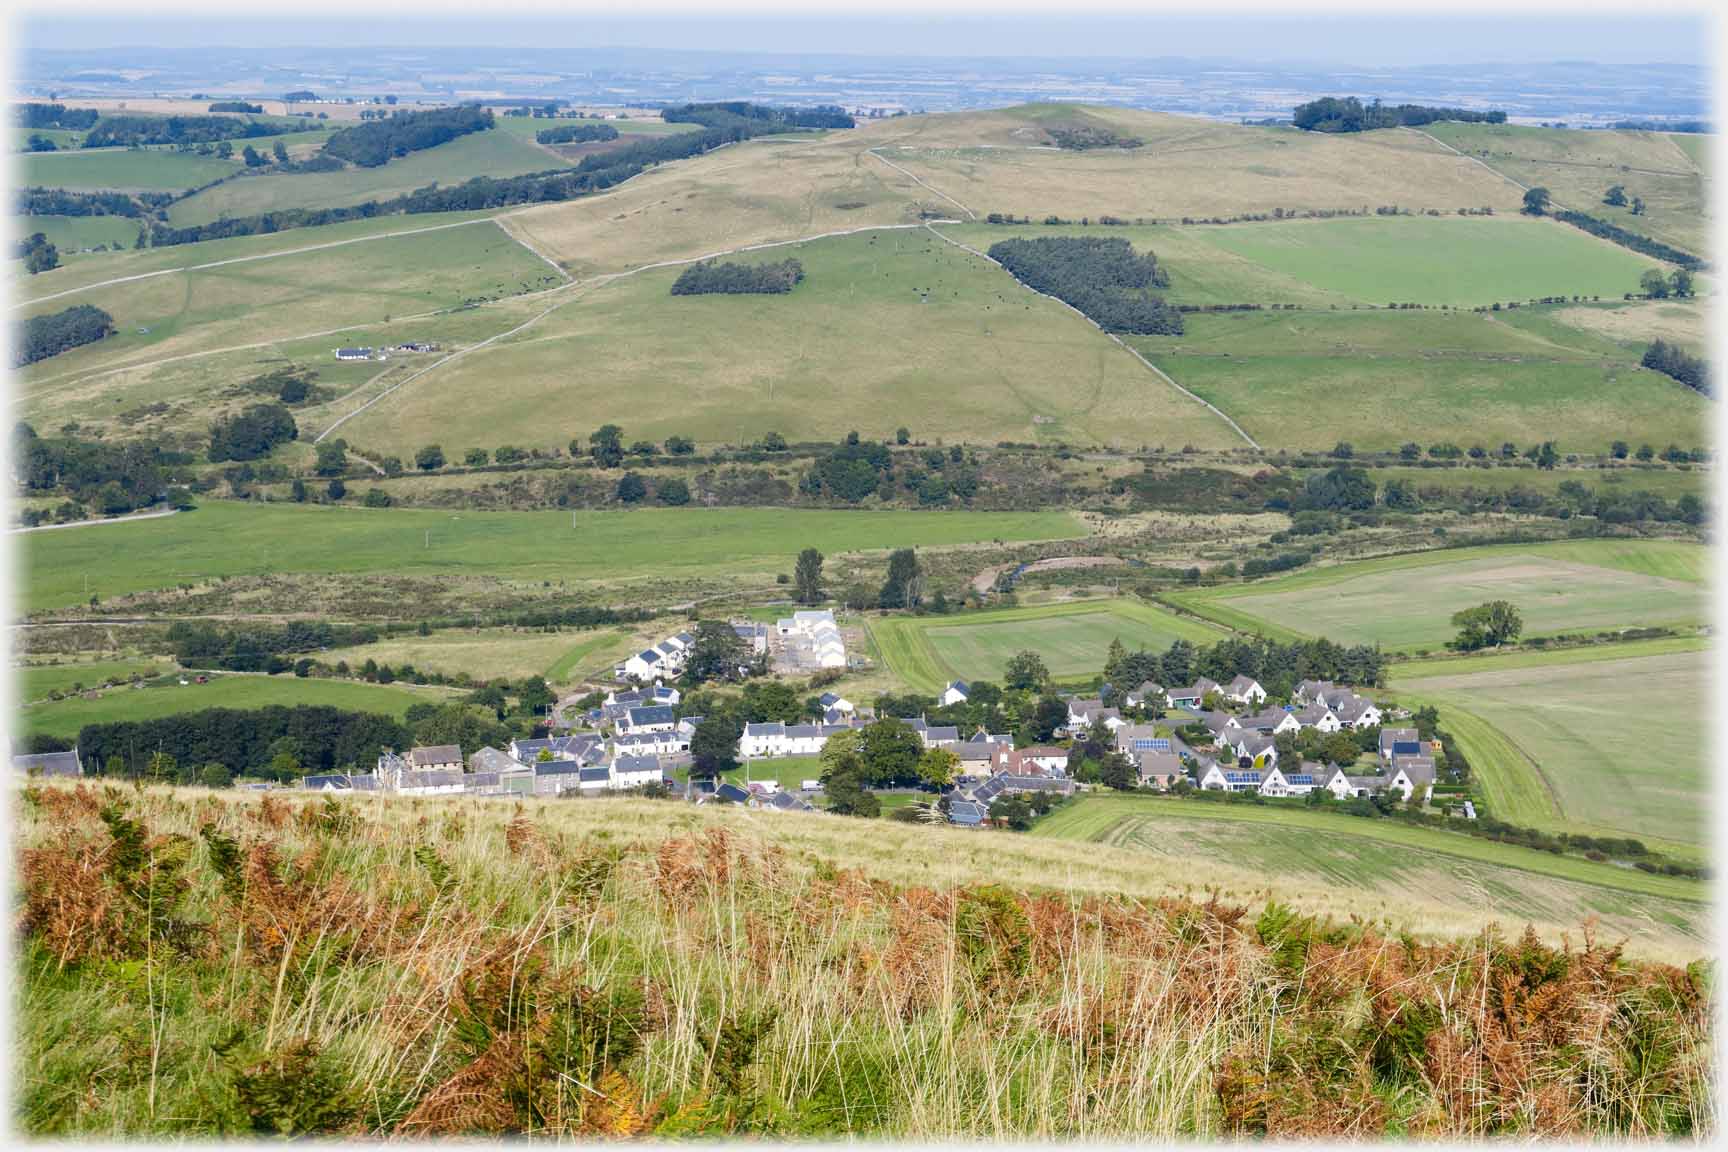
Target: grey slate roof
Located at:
point(50, 764)
point(431, 778)
point(435, 754)
point(966, 813)
point(599, 773)
point(634, 764)
point(652, 714)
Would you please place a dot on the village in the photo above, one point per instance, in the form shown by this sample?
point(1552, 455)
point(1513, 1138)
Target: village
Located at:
point(1204, 736)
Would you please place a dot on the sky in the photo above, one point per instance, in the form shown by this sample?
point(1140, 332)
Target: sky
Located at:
point(1657, 34)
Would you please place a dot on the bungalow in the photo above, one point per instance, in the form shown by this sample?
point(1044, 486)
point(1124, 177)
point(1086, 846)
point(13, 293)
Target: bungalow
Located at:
point(1083, 715)
point(834, 702)
point(595, 778)
point(1245, 690)
point(1271, 723)
point(635, 772)
point(966, 813)
point(787, 802)
point(1345, 786)
point(430, 782)
point(49, 764)
point(1357, 712)
point(438, 757)
point(1397, 742)
point(1220, 723)
point(1147, 693)
point(956, 692)
point(1319, 717)
point(1413, 776)
point(1008, 784)
point(1160, 770)
point(1191, 696)
point(1296, 783)
point(583, 747)
point(492, 760)
point(1215, 777)
point(1251, 746)
point(1039, 758)
point(730, 793)
point(753, 634)
point(353, 353)
point(1315, 692)
point(1133, 739)
point(340, 783)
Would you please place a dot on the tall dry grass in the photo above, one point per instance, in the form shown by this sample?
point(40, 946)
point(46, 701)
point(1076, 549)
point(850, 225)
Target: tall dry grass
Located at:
point(201, 963)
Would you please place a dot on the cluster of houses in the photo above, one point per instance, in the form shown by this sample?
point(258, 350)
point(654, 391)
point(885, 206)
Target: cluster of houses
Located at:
point(810, 640)
point(384, 353)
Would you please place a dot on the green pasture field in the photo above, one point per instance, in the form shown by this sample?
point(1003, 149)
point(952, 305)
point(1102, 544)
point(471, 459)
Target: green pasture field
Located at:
point(1669, 483)
point(1464, 261)
point(489, 153)
point(1307, 854)
point(484, 653)
point(789, 771)
point(69, 233)
point(123, 169)
point(528, 127)
point(229, 539)
point(168, 697)
point(287, 297)
point(882, 322)
point(928, 651)
point(1404, 376)
point(64, 138)
point(35, 681)
point(1579, 167)
point(144, 261)
point(1696, 145)
point(1611, 747)
point(1429, 667)
point(1405, 603)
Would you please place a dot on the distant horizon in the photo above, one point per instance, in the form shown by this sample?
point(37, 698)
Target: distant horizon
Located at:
point(1327, 40)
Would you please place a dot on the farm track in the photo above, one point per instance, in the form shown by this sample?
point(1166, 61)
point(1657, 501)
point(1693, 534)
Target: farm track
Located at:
point(971, 215)
point(1124, 345)
point(245, 260)
point(599, 282)
point(98, 523)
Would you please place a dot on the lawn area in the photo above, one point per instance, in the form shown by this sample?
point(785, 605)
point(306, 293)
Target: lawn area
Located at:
point(70, 233)
point(1405, 603)
point(1484, 378)
point(1464, 261)
point(123, 169)
point(484, 653)
point(35, 681)
point(167, 696)
point(228, 539)
point(881, 322)
point(490, 153)
point(928, 651)
point(1607, 746)
point(789, 771)
point(1314, 858)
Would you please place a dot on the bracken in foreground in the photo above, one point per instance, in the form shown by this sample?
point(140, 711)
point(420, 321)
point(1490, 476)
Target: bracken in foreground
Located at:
point(201, 963)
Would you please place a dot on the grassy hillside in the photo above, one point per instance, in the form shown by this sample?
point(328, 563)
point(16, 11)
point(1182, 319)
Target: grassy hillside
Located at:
point(1406, 603)
point(1003, 161)
point(493, 653)
point(168, 697)
point(883, 323)
point(626, 968)
point(224, 539)
point(1579, 167)
point(1615, 745)
point(1387, 377)
point(1073, 639)
point(253, 306)
point(490, 153)
point(123, 170)
point(34, 682)
point(70, 233)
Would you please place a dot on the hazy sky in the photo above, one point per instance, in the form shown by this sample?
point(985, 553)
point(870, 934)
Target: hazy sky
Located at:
point(1346, 38)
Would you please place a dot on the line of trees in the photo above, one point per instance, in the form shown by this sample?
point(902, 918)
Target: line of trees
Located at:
point(734, 278)
point(1672, 360)
point(318, 739)
point(376, 143)
point(1626, 239)
point(1085, 138)
point(36, 115)
point(258, 648)
point(595, 173)
point(114, 478)
point(576, 134)
point(58, 332)
point(1332, 114)
point(1103, 277)
point(128, 131)
point(237, 106)
point(731, 113)
point(60, 202)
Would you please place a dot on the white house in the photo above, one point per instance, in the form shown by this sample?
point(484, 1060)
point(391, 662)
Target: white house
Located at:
point(1318, 717)
point(1149, 692)
point(955, 693)
point(1216, 777)
point(1272, 723)
point(595, 779)
point(647, 665)
point(634, 772)
point(1083, 715)
point(1296, 783)
point(1041, 757)
point(1245, 690)
point(1191, 696)
point(648, 718)
point(834, 702)
point(1357, 712)
point(814, 635)
point(649, 743)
